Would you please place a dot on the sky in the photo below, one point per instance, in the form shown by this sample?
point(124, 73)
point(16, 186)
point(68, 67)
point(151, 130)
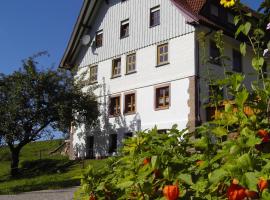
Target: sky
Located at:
point(31, 26)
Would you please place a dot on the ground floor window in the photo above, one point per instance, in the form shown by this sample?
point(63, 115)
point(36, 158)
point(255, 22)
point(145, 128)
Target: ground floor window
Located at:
point(130, 103)
point(128, 135)
point(162, 97)
point(115, 106)
point(90, 147)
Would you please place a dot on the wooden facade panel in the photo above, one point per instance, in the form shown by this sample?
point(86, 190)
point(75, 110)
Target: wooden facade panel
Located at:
point(109, 17)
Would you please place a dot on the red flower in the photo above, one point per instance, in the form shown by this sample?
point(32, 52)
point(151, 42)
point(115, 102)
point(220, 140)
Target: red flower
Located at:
point(146, 161)
point(171, 192)
point(251, 194)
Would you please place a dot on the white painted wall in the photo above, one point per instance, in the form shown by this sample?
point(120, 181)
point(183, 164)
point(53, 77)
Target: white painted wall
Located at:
point(181, 66)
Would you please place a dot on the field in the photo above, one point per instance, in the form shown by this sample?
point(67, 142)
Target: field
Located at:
point(39, 170)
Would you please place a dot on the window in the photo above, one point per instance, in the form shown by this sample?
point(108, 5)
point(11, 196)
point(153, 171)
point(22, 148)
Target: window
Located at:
point(162, 54)
point(130, 103)
point(237, 61)
point(230, 18)
point(214, 10)
point(155, 16)
point(93, 74)
point(116, 67)
point(99, 39)
point(162, 97)
point(113, 143)
point(214, 53)
point(162, 131)
point(115, 107)
point(124, 31)
point(131, 63)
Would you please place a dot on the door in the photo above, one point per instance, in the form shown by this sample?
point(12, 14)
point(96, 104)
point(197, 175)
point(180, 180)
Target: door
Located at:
point(90, 147)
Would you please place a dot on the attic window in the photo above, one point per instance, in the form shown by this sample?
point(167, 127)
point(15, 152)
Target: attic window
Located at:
point(155, 16)
point(214, 10)
point(99, 39)
point(124, 32)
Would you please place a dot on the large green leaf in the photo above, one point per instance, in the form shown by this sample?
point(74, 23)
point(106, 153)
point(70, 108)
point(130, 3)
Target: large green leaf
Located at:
point(186, 178)
point(244, 162)
point(251, 180)
point(217, 175)
point(219, 131)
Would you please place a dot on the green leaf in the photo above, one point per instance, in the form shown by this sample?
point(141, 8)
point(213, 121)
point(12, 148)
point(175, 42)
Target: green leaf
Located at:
point(154, 162)
point(217, 175)
point(268, 45)
point(186, 178)
point(265, 195)
point(125, 184)
point(241, 98)
point(219, 131)
point(244, 162)
point(236, 20)
point(251, 180)
point(246, 28)
point(257, 63)
point(243, 48)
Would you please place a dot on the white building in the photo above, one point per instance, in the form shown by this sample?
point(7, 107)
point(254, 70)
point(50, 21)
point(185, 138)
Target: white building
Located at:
point(144, 54)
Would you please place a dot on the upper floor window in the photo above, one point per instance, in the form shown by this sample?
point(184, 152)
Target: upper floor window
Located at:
point(115, 107)
point(155, 16)
point(131, 63)
point(99, 39)
point(214, 10)
point(230, 18)
point(116, 67)
point(162, 96)
point(214, 53)
point(93, 74)
point(162, 54)
point(237, 61)
point(124, 30)
point(130, 103)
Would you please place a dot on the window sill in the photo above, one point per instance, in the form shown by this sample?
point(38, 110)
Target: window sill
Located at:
point(116, 76)
point(123, 37)
point(113, 116)
point(93, 83)
point(162, 64)
point(162, 108)
point(130, 113)
point(152, 26)
point(131, 72)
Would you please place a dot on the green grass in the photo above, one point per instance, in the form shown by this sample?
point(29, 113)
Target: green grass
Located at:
point(50, 172)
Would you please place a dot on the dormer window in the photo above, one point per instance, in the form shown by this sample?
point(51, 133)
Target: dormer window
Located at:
point(214, 10)
point(99, 39)
point(124, 31)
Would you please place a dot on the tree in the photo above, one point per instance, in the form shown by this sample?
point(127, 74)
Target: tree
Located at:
point(32, 100)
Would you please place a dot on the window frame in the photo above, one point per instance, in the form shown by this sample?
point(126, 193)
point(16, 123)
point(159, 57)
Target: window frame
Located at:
point(122, 24)
point(114, 66)
point(98, 33)
point(163, 54)
point(125, 103)
point(157, 108)
point(127, 63)
point(152, 11)
point(119, 104)
point(96, 80)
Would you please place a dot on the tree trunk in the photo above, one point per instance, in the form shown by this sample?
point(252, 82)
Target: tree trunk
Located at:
point(14, 167)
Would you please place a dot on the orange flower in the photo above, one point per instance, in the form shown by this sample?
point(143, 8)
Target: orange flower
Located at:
point(92, 197)
point(146, 161)
point(263, 184)
point(262, 133)
point(199, 162)
point(171, 192)
point(235, 191)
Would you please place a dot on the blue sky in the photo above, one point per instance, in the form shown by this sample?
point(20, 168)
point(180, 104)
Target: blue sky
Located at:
point(30, 26)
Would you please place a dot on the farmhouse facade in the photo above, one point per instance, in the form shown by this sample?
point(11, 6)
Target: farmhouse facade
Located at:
point(145, 58)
